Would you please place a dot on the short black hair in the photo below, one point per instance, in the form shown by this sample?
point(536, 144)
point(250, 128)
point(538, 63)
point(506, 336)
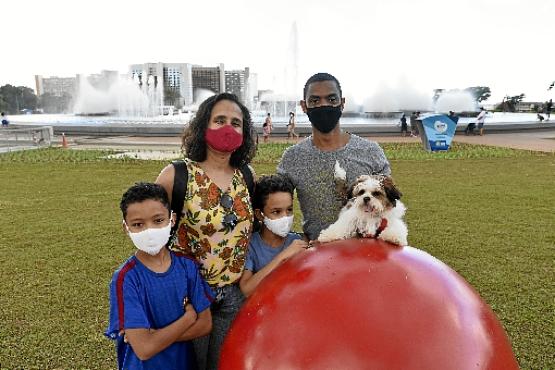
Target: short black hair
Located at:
point(319, 77)
point(142, 191)
point(193, 142)
point(267, 185)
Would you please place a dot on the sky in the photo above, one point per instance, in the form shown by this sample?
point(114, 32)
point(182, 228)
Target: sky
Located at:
point(370, 46)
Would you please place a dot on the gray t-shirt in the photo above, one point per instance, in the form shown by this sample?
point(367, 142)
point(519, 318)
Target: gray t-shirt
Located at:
point(312, 172)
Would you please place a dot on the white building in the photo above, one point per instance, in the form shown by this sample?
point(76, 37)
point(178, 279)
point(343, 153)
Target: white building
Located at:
point(57, 86)
point(171, 76)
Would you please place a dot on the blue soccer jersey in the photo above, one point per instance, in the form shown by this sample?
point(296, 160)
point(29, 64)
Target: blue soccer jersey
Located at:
point(142, 298)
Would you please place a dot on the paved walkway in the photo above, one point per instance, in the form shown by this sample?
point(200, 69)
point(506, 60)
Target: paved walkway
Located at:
point(537, 140)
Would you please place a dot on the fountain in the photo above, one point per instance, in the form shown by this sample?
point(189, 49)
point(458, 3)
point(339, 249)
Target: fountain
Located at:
point(287, 97)
point(124, 96)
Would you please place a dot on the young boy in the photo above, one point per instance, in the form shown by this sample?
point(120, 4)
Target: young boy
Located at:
point(274, 243)
point(158, 301)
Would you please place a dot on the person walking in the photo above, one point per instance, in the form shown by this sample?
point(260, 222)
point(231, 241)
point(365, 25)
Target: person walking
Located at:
point(404, 127)
point(480, 120)
point(291, 126)
point(267, 128)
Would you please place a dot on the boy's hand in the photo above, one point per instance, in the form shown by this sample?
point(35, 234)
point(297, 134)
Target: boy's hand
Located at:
point(295, 247)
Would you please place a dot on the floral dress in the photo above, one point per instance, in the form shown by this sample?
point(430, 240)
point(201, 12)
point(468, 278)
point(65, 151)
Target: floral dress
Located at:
point(219, 247)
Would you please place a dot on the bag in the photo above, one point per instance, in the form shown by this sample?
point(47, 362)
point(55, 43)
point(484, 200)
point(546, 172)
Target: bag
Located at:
point(180, 185)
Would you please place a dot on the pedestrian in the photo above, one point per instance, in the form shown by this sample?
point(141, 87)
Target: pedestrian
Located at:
point(310, 164)
point(480, 120)
point(291, 126)
point(217, 214)
point(267, 128)
point(404, 127)
point(158, 301)
point(548, 108)
point(4, 119)
point(413, 128)
point(453, 117)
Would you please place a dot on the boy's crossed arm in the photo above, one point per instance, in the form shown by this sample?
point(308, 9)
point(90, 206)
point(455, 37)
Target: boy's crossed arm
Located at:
point(147, 343)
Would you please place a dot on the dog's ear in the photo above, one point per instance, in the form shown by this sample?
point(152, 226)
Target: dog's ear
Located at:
point(350, 191)
point(391, 190)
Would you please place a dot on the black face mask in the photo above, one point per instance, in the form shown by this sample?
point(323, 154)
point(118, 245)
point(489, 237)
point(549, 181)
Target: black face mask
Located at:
point(325, 118)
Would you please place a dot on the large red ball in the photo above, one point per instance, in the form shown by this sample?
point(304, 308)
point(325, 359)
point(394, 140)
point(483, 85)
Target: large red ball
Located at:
point(365, 304)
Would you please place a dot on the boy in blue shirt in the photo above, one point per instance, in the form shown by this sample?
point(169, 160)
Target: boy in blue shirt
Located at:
point(274, 243)
point(158, 300)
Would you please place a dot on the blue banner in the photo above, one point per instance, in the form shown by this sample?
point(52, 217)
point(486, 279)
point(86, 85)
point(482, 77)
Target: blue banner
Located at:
point(437, 131)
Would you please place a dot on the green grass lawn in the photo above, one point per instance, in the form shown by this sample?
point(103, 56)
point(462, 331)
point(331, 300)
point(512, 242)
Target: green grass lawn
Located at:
point(487, 212)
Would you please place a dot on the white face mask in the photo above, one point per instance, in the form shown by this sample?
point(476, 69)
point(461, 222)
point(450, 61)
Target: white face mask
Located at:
point(280, 226)
point(151, 241)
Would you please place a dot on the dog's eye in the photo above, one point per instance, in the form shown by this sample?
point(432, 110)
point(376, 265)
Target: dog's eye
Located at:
point(361, 192)
point(376, 193)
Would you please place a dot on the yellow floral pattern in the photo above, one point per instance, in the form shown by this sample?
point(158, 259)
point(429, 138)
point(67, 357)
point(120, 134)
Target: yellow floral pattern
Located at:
point(220, 249)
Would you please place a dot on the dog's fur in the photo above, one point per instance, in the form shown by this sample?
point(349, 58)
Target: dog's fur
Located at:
point(370, 199)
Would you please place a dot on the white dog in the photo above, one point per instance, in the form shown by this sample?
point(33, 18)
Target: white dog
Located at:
point(373, 210)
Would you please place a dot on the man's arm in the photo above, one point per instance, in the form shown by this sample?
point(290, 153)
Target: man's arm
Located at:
point(147, 343)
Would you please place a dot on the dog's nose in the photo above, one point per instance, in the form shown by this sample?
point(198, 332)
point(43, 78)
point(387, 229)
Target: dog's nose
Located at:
point(366, 199)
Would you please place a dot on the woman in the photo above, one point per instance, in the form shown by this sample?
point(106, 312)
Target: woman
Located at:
point(267, 128)
point(291, 126)
point(217, 213)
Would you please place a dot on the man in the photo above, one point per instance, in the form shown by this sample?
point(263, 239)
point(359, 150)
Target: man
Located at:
point(480, 120)
point(453, 117)
point(311, 163)
point(413, 127)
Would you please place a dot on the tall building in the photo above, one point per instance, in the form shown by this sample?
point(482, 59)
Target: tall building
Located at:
point(174, 78)
point(209, 78)
point(57, 86)
point(237, 82)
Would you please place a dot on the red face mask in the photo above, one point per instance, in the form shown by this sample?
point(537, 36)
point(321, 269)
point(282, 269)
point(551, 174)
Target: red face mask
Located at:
point(224, 139)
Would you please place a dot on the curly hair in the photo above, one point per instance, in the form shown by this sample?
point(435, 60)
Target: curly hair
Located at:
point(193, 142)
point(267, 185)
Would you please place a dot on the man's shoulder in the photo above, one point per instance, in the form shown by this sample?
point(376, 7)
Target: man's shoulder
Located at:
point(302, 146)
point(291, 155)
point(358, 143)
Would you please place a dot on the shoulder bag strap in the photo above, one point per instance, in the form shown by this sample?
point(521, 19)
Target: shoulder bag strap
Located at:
point(178, 192)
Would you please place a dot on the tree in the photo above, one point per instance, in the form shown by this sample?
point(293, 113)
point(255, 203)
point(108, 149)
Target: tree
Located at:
point(480, 93)
point(3, 105)
point(14, 99)
point(54, 104)
point(509, 103)
point(172, 96)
